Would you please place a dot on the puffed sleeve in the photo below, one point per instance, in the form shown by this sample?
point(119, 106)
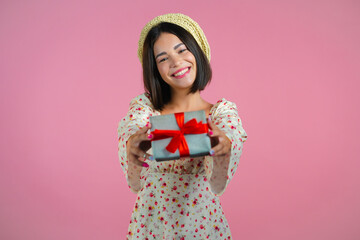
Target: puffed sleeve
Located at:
point(225, 116)
point(140, 110)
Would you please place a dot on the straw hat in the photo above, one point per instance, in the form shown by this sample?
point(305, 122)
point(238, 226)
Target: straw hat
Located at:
point(181, 20)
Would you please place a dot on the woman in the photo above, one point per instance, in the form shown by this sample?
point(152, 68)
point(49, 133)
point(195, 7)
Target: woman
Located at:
point(178, 199)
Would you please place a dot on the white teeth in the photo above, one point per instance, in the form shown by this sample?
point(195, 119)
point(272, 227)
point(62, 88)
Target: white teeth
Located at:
point(181, 72)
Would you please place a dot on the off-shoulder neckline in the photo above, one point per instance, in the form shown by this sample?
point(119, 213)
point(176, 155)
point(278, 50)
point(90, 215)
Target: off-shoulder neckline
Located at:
point(212, 109)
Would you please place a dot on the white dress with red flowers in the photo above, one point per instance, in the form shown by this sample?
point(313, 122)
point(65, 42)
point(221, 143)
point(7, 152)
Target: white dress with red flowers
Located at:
point(176, 200)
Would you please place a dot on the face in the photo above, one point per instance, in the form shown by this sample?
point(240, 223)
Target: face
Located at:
point(176, 64)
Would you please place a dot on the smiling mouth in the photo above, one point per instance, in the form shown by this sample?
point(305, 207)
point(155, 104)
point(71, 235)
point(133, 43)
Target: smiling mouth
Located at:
point(181, 72)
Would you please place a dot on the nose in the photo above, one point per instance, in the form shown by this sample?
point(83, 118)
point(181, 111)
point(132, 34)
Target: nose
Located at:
point(175, 60)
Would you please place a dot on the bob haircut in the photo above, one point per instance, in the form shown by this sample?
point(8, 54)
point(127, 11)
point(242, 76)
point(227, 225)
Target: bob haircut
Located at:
point(159, 90)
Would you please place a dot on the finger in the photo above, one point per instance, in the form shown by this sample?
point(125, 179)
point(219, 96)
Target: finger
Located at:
point(222, 147)
point(145, 128)
point(224, 151)
point(138, 152)
point(216, 136)
point(220, 135)
point(139, 163)
point(220, 150)
point(211, 124)
point(143, 137)
point(139, 137)
point(140, 160)
point(214, 133)
point(215, 150)
point(141, 154)
point(213, 129)
point(147, 156)
point(225, 140)
point(134, 138)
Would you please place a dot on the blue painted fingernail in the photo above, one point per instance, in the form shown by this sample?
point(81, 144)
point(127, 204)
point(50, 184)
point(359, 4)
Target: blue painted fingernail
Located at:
point(151, 158)
point(212, 152)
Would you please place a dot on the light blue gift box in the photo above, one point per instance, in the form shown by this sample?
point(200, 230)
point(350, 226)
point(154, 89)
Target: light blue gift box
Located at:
point(199, 144)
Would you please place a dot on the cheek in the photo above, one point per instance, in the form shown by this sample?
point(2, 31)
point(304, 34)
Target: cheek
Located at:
point(163, 73)
point(191, 58)
point(161, 70)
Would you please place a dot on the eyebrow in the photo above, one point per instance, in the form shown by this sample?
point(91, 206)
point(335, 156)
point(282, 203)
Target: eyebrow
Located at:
point(163, 53)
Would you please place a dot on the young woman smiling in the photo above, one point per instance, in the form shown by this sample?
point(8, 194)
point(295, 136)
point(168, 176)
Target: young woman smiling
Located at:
point(178, 199)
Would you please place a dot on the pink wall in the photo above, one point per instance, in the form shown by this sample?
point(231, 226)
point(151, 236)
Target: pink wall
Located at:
point(68, 70)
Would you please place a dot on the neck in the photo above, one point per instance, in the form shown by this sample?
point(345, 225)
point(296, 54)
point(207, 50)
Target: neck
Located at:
point(183, 102)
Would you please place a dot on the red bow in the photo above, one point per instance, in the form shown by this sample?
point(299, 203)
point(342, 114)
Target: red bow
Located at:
point(178, 140)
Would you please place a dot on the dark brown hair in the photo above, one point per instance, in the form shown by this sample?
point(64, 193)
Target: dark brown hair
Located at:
point(159, 90)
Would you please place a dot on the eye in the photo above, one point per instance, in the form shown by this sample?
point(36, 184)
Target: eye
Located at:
point(182, 50)
point(162, 60)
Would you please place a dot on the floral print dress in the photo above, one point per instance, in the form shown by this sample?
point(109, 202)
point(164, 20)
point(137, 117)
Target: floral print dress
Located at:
point(176, 200)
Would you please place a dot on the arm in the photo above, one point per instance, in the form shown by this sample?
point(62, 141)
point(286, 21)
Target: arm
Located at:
point(227, 142)
point(133, 123)
point(219, 175)
point(221, 150)
point(136, 148)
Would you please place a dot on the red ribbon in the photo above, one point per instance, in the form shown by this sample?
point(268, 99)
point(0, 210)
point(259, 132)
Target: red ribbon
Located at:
point(178, 140)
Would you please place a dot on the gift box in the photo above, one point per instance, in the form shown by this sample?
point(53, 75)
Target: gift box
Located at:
point(179, 135)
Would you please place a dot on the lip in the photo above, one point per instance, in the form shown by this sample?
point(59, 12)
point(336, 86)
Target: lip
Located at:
point(180, 71)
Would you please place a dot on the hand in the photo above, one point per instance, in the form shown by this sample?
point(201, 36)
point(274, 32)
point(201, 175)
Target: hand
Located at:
point(220, 143)
point(137, 145)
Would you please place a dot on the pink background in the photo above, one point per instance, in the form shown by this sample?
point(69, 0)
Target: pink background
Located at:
point(68, 70)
